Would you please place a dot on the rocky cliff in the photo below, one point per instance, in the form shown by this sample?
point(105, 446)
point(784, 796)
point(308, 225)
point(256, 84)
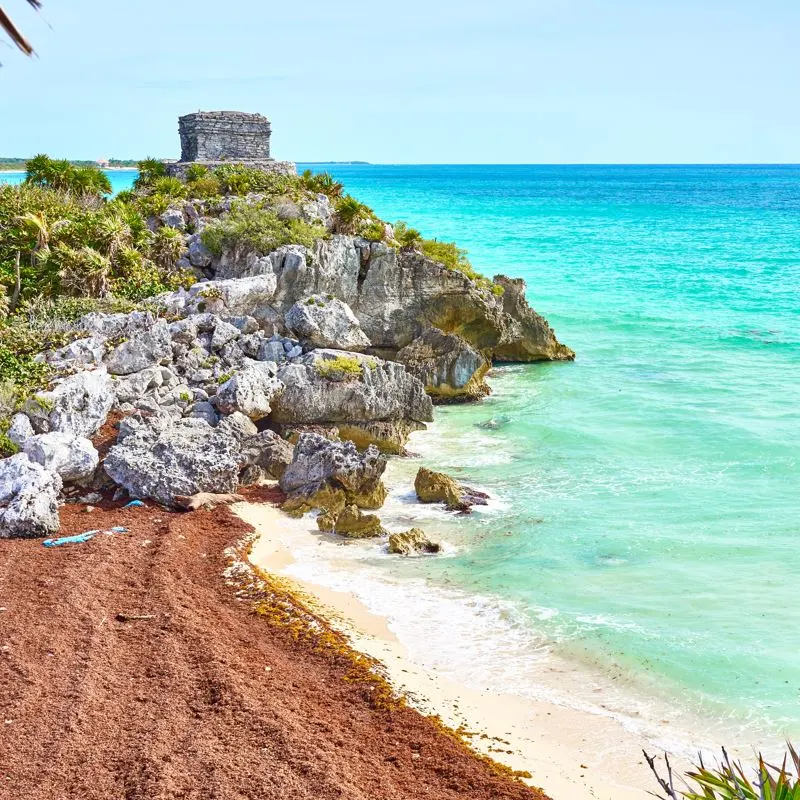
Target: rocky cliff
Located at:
point(343, 336)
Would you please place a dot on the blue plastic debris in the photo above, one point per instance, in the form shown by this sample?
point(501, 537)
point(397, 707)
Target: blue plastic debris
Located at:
point(134, 504)
point(77, 539)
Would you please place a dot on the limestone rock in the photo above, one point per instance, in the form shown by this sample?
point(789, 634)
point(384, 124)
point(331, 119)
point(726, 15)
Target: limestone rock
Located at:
point(269, 452)
point(145, 349)
point(413, 541)
point(368, 390)
point(160, 458)
point(354, 524)
point(448, 366)
point(250, 391)
point(28, 498)
point(199, 255)
point(73, 458)
point(536, 340)
point(325, 321)
point(173, 218)
point(436, 487)
point(326, 474)
point(403, 293)
point(20, 430)
point(79, 404)
point(86, 352)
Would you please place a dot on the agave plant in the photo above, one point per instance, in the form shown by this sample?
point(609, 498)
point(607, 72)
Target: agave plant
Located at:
point(728, 780)
point(14, 33)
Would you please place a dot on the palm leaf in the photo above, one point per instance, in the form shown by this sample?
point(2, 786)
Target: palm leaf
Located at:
point(7, 24)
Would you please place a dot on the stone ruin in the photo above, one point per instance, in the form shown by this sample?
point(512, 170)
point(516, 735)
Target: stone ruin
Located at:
point(213, 138)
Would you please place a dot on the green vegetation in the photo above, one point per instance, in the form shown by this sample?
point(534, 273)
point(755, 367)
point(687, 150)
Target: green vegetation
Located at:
point(407, 238)
point(321, 183)
point(339, 369)
point(258, 228)
point(728, 780)
point(18, 164)
point(61, 175)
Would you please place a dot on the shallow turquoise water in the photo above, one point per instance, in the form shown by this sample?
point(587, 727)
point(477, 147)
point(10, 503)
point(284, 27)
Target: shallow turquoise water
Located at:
point(647, 512)
point(650, 516)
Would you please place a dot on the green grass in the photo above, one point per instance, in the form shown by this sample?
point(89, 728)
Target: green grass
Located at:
point(339, 368)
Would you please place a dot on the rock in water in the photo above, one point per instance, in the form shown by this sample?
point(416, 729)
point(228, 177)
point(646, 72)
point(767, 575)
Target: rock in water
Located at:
point(413, 541)
point(28, 498)
point(447, 365)
point(160, 459)
point(331, 474)
point(436, 487)
point(353, 524)
point(325, 321)
point(73, 458)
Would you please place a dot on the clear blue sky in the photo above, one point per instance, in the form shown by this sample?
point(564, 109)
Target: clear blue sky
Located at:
point(436, 81)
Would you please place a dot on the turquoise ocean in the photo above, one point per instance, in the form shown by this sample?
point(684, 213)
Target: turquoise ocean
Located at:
point(645, 515)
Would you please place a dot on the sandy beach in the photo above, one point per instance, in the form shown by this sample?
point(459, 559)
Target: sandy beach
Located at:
point(569, 753)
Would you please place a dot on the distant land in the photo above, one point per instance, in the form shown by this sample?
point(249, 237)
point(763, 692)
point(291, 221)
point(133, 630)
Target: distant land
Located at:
point(18, 164)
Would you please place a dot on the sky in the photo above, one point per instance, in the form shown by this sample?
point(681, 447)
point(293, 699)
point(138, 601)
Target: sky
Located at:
point(422, 81)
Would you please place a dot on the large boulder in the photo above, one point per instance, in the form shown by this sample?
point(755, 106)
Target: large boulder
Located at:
point(28, 498)
point(147, 348)
point(268, 452)
point(413, 541)
point(79, 404)
point(403, 293)
point(354, 524)
point(436, 487)
point(448, 366)
point(79, 354)
point(325, 321)
point(534, 339)
point(333, 386)
point(331, 474)
point(250, 391)
point(161, 458)
point(73, 458)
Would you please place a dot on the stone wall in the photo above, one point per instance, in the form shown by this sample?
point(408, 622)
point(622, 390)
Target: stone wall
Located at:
point(224, 136)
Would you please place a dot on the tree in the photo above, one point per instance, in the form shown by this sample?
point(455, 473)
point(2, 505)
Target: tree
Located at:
point(14, 33)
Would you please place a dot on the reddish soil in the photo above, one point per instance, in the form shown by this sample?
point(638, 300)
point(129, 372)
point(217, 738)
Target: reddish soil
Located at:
point(200, 699)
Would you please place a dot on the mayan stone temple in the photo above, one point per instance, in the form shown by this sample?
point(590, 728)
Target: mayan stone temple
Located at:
point(213, 138)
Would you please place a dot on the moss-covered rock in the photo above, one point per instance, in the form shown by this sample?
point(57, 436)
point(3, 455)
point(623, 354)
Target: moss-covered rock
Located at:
point(436, 487)
point(413, 541)
point(354, 524)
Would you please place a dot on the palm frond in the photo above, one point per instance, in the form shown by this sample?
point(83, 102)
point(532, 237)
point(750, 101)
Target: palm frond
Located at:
point(14, 33)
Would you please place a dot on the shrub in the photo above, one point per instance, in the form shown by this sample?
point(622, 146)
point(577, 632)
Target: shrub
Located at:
point(204, 187)
point(241, 180)
point(373, 231)
point(728, 781)
point(339, 369)
point(62, 176)
point(257, 228)
point(169, 187)
point(320, 183)
point(407, 238)
point(150, 169)
point(350, 213)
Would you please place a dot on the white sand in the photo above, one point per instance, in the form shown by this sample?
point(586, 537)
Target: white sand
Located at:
point(572, 755)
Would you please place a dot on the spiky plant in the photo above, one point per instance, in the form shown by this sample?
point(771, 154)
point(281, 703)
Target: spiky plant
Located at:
point(727, 780)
